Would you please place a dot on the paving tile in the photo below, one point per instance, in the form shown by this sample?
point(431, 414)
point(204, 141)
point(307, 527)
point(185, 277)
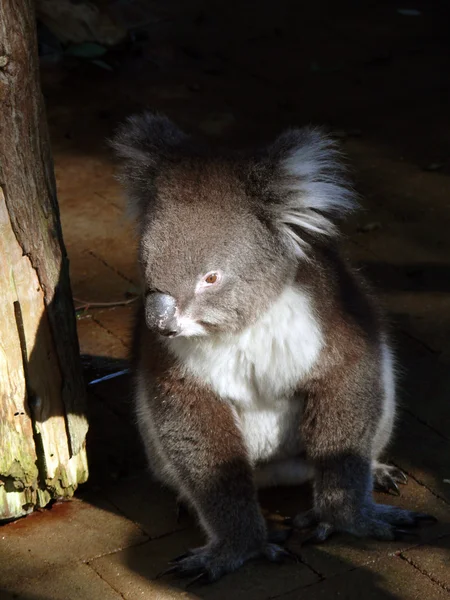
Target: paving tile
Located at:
point(117, 394)
point(386, 579)
point(406, 255)
point(413, 289)
point(4, 595)
point(98, 341)
point(68, 532)
point(93, 212)
point(117, 320)
point(149, 504)
point(426, 316)
point(433, 561)
point(343, 552)
point(424, 384)
point(132, 572)
point(73, 582)
point(260, 580)
point(94, 281)
point(92, 204)
point(114, 449)
point(402, 239)
point(418, 450)
point(120, 254)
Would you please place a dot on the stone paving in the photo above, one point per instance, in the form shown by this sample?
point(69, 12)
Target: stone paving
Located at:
point(375, 76)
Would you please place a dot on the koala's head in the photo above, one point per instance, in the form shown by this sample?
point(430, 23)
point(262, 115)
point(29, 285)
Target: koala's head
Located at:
point(222, 236)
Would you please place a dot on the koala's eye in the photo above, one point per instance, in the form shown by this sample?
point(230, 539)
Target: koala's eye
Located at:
point(211, 278)
point(208, 280)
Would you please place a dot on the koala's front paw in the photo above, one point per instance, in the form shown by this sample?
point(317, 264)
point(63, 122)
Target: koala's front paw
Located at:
point(379, 521)
point(210, 562)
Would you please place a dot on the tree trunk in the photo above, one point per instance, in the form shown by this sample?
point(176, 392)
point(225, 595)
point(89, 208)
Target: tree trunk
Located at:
point(42, 396)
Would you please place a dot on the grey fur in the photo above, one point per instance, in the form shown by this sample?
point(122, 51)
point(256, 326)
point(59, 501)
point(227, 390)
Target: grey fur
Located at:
point(263, 222)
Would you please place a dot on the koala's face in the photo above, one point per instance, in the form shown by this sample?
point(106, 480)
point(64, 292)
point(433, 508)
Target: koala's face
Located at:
point(221, 239)
point(209, 264)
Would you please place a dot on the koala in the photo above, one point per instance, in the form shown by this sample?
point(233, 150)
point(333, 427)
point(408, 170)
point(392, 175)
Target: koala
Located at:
point(260, 356)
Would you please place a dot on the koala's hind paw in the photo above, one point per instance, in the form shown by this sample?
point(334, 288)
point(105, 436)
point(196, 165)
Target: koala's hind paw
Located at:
point(210, 562)
point(379, 521)
point(386, 478)
point(386, 522)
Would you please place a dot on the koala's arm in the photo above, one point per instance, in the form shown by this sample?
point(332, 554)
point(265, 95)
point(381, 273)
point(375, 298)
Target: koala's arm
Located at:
point(341, 414)
point(205, 459)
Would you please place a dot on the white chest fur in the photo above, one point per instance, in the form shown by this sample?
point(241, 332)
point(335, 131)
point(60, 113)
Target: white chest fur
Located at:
point(259, 369)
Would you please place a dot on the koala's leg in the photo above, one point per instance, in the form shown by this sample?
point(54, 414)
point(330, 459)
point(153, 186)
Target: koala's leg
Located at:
point(204, 457)
point(386, 477)
point(338, 428)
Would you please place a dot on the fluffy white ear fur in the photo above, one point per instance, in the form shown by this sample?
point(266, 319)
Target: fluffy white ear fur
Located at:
point(311, 185)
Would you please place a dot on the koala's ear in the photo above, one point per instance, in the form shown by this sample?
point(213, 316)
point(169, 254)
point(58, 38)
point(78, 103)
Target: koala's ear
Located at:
point(144, 143)
point(307, 189)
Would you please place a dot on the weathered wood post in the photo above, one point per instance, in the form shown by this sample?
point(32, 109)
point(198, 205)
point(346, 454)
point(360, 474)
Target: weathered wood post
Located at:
point(42, 397)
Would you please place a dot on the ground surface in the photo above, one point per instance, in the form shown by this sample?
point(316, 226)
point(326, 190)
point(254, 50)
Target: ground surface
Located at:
point(378, 77)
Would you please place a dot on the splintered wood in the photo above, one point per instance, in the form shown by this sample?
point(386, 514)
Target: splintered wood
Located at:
point(42, 399)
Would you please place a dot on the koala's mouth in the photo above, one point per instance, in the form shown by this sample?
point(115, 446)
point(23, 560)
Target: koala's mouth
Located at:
point(169, 334)
point(209, 326)
point(186, 327)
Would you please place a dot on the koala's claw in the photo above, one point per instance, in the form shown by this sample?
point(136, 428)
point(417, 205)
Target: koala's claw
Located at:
point(388, 486)
point(202, 577)
point(322, 530)
point(404, 534)
point(188, 564)
point(168, 571)
point(177, 559)
point(399, 517)
point(386, 478)
point(209, 563)
point(380, 521)
point(321, 533)
point(425, 517)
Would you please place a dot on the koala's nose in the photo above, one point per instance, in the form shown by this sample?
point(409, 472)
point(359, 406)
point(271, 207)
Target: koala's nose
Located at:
point(160, 312)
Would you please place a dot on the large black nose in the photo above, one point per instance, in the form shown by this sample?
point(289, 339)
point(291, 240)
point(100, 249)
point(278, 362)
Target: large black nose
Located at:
point(160, 313)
